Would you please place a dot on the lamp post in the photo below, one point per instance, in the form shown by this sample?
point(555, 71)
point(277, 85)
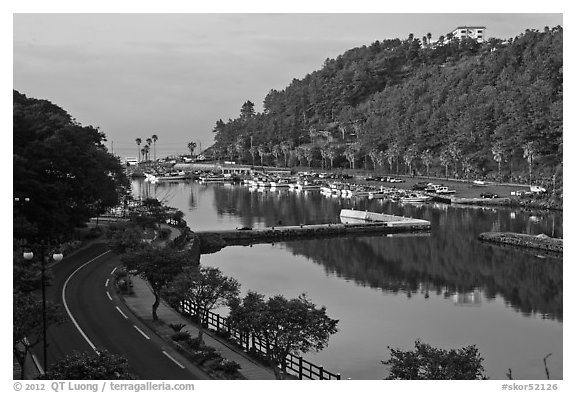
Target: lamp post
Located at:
point(28, 255)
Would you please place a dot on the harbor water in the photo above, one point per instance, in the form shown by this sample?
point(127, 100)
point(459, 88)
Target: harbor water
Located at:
point(445, 288)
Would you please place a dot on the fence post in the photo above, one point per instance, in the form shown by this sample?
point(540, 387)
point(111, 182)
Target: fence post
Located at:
point(300, 367)
point(321, 368)
point(254, 342)
point(217, 322)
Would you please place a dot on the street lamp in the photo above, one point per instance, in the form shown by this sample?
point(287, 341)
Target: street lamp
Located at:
point(28, 255)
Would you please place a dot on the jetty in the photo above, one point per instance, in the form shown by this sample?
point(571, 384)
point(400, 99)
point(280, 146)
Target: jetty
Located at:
point(354, 222)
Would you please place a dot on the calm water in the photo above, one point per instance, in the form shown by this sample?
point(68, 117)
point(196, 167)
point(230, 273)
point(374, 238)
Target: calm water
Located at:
point(445, 288)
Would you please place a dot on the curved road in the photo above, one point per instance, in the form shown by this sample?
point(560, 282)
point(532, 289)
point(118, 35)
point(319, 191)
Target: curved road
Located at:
point(83, 283)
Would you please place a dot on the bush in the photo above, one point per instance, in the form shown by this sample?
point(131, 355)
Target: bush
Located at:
point(206, 354)
point(177, 326)
point(227, 366)
point(194, 343)
point(164, 233)
point(181, 336)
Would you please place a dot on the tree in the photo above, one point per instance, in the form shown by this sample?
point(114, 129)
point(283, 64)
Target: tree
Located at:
point(373, 153)
point(252, 150)
point(299, 151)
point(285, 146)
point(331, 153)
point(529, 154)
point(247, 110)
point(445, 158)
point(394, 152)
point(27, 323)
point(154, 139)
point(191, 147)
point(239, 146)
point(62, 167)
point(206, 287)
point(427, 362)
point(308, 154)
point(159, 266)
point(90, 366)
point(148, 143)
point(138, 142)
point(262, 151)
point(426, 158)
point(455, 154)
point(350, 153)
point(286, 327)
point(409, 156)
point(276, 153)
point(498, 155)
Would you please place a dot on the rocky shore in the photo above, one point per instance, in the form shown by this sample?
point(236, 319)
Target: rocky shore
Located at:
point(539, 242)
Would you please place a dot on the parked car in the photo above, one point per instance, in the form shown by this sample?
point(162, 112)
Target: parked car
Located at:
point(489, 195)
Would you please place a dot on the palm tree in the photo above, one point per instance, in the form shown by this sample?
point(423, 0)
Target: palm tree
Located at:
point(147, 150)
point(299, 154)
point(373, 154)
point(262, 151)
point(498, 154)
point(191, 147)
point(154, 139)
point(138, 142)
point(445, 158)
point(252, 151)
point(285, 147)
point(429, 36)
point(455, 153)
point(331, 153)
point(231, 149)
point(395, 152)
point(308, 154)
point(324, 154)
point(409, 156)
point(239, 148)
point(276, 153)
point(529, 155)
point(143, 150)
point(426, 158)
point(350, 154)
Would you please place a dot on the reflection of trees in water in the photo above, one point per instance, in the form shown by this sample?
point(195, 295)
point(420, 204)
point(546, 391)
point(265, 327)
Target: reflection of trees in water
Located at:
point(420, 264)
point(450, 260)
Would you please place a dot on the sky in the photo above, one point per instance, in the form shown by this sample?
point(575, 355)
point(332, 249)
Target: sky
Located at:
point(174, 75)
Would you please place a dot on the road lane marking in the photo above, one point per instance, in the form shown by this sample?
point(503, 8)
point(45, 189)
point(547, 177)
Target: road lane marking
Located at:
point(174, 360)
point(107, 281)
point(141, 332)
point(66, 303)
point(120, 311)
point(113, 270)
point(108, 294)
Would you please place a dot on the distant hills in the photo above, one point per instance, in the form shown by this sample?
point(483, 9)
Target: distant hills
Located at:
point(455, 108)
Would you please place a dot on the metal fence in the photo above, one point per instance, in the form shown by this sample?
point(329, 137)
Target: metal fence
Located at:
point(295, 365)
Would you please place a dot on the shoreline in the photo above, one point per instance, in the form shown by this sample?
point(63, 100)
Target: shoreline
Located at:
point(538, 242)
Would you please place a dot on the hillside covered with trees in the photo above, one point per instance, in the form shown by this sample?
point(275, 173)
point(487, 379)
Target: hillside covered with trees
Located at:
point(452, 108)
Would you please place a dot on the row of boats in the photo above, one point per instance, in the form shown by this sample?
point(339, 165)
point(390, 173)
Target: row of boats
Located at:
point(304, 183)
point(340, 189)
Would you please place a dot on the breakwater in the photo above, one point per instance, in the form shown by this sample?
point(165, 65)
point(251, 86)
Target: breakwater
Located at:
point(539, 242)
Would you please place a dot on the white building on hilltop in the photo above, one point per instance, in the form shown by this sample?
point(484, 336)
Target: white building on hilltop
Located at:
point(474, 32)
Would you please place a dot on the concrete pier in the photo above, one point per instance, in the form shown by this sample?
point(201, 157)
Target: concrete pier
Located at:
point(395, 225)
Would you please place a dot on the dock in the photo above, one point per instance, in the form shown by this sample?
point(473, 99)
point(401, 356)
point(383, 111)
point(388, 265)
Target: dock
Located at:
point(377, 224)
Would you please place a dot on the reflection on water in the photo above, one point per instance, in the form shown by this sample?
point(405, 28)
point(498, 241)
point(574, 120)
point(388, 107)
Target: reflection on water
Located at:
point(447, 288)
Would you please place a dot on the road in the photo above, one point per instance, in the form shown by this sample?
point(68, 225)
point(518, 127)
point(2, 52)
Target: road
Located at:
point(97, 318)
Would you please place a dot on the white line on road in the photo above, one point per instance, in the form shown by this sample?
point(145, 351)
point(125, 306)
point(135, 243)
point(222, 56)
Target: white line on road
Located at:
point(113, 270)
point(120, 311)
point(108, 294)
point(171, 358)
point(141, 332)
point(66, 303)
point(107, 281)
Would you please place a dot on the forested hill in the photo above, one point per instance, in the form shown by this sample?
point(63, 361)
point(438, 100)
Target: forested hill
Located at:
point(454, 107)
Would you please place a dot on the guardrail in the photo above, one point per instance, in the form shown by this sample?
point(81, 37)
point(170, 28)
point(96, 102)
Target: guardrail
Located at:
point(295, 365)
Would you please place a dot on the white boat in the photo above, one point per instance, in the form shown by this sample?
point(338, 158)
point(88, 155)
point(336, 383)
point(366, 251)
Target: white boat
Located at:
point(181, 175)
point(413, 198)
point(444, 190)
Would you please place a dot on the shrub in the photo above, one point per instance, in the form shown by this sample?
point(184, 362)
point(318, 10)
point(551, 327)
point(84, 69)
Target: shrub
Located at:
point(227, 366)
point(194, 343)
point(164, 233)
point(206, 354)
point(177, 326)
point(180, 336)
